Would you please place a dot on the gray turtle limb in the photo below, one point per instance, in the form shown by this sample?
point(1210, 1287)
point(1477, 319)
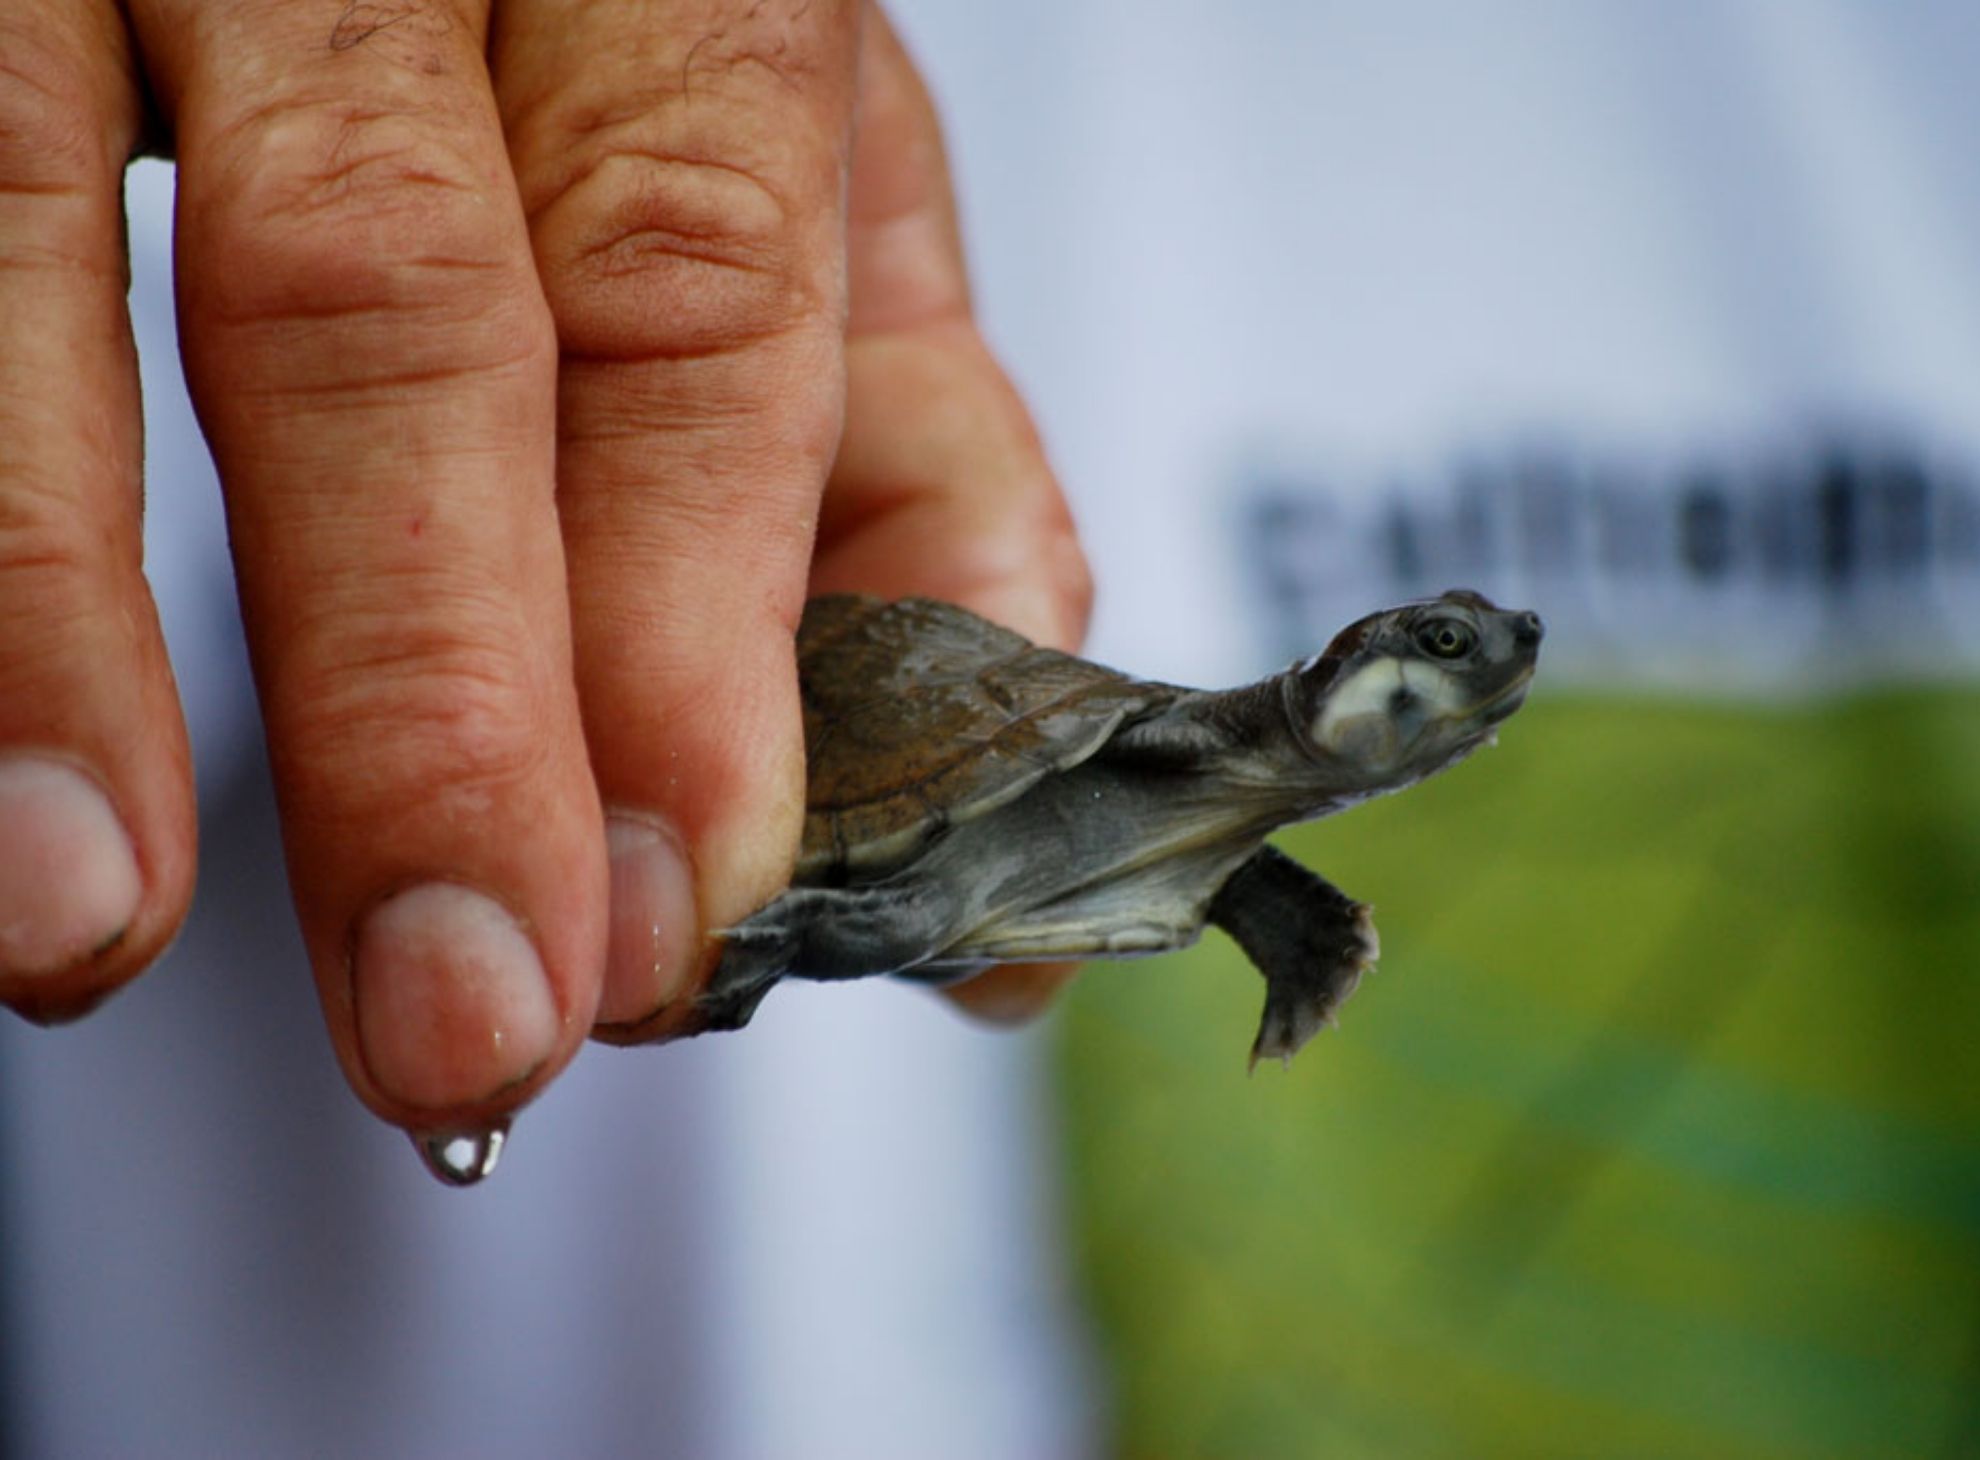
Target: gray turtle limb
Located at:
point(1310, 940)
point(824, 933)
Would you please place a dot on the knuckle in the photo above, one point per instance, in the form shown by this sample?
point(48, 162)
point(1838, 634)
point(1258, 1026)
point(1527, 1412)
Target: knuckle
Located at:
point(56, 591)
point(397, 715)
point(1073, 576)
point(51, 137)
point(45, 548)
point(651, 250)
point(342, 208)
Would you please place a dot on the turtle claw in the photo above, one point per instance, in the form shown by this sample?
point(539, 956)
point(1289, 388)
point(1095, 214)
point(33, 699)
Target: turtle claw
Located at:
point(754, 961)
point(1283, 1031)
point(752, 934)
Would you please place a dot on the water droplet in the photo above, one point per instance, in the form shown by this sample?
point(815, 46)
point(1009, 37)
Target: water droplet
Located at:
point(461, 1157)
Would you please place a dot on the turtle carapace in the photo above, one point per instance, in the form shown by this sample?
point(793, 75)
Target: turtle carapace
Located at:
point(976, 799)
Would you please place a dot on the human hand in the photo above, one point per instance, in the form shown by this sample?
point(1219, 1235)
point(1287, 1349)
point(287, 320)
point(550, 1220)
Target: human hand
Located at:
point(538, 353)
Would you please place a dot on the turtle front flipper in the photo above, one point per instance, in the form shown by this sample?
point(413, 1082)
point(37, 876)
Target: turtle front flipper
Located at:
point(824, 933)
point(1310, 940)
point(753, 962)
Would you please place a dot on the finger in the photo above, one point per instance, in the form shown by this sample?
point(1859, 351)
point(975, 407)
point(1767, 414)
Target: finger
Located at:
point(96, 818)
point(682, 165)
point(941, 485)
point(1012, 993)
point(374, 366)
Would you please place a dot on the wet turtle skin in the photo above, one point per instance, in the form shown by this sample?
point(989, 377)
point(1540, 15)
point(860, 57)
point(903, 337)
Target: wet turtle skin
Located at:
point(974, 798)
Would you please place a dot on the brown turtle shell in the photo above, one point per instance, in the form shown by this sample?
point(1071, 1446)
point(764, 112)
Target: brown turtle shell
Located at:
point(919, 714)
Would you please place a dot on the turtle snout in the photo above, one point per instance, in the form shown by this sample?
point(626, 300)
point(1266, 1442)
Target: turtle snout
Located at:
point(1528, 630)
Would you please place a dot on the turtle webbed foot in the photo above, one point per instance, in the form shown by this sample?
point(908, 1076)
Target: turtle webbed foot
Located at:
point(1303, 1000)
point(1310, 940)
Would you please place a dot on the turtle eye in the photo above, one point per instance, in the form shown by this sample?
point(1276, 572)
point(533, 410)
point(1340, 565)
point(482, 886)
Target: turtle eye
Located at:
point(1446, 638)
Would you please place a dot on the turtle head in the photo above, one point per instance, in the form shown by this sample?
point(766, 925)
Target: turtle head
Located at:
point(1405, 692)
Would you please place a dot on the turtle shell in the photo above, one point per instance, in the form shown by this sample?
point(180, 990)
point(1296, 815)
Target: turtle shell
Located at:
point(919, 715)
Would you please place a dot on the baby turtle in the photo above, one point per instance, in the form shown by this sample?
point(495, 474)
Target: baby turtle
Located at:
point(976, 799)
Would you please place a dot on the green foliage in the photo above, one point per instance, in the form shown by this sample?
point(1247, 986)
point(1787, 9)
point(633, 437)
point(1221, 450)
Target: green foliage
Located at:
point(1655, 1132)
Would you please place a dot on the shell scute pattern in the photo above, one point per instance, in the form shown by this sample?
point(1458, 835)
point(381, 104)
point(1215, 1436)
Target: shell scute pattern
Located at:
point(918, 714)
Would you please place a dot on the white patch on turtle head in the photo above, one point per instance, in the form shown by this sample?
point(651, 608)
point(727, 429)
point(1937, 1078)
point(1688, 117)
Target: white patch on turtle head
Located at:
point(1375, 715)
point(1356, 719)
point(1439, 690)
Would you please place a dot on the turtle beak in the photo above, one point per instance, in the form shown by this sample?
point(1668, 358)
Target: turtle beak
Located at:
point(1501, 706)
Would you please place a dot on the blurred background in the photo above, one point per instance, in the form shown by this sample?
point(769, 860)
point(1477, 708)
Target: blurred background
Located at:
point(1658, 1130)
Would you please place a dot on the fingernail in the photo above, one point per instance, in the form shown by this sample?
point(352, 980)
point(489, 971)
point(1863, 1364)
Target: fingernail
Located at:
point(462, 1157)
point(69, 881)
point(452, 1001)
point(653, 919)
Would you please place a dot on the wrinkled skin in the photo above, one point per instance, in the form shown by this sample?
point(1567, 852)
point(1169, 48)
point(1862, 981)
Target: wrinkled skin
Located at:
point(550, 354)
